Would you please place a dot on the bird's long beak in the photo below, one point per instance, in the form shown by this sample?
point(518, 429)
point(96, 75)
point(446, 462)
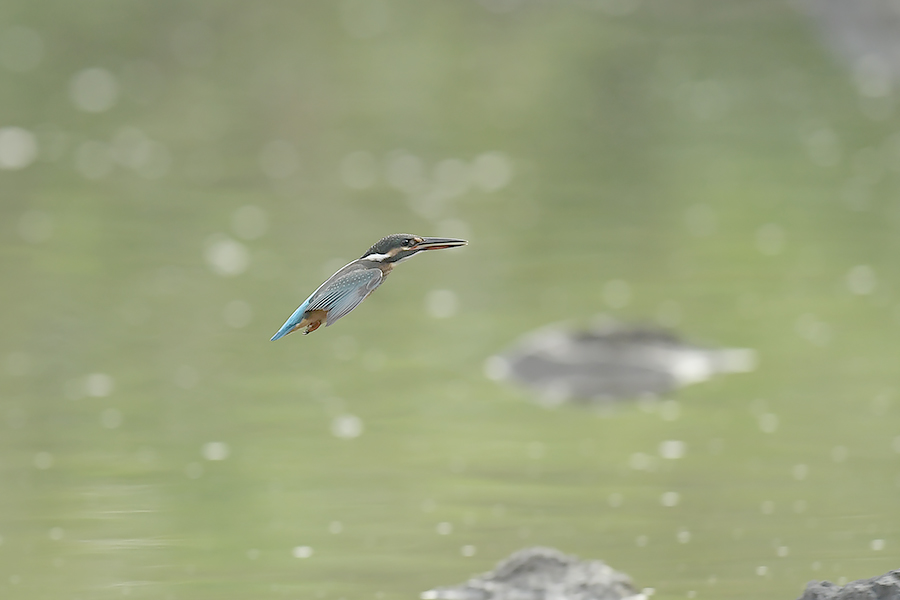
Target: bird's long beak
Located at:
point(436, 243)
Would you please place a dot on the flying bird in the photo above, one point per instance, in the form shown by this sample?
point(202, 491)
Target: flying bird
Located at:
point(354, 282)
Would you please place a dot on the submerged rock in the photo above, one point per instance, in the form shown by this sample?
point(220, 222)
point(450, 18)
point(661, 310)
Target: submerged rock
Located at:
point(883, 587)
point(610, 362)
point(543, 574)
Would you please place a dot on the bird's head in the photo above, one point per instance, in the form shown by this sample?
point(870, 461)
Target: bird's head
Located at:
point(400, 246)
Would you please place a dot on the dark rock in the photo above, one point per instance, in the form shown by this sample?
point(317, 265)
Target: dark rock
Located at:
point(543, 574)
point(883, 587)
point(610, 362)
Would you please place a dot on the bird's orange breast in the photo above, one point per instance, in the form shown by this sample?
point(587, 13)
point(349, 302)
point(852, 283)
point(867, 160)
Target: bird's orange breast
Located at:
point(312, 320)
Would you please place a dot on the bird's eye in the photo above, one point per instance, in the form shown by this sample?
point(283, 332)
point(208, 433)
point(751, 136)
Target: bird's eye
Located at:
point(409, 242)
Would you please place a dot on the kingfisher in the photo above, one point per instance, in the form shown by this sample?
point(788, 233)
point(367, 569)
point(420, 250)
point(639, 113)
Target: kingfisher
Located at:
point(353, 283)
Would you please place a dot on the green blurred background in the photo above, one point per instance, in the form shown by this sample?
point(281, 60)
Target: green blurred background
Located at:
point(178, 176)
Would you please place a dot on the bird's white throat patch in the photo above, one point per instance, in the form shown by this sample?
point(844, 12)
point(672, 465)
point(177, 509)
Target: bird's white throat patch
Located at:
point(375, 257)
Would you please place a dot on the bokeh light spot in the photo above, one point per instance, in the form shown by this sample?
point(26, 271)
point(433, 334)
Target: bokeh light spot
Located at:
point(670, 499)
point(18, 148)
point(492, 171)
point(43, 460)
point(672, 449)
point(94, 90)
point(861, 280)
point(111, 418)
point(226, 256)
point(768, 422)
point(497, 368)
point(215, 451)
point(347, 426)
point(99, 385)
point(441, 304)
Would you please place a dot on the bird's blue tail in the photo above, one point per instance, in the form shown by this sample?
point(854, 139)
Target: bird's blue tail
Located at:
point(291, 322)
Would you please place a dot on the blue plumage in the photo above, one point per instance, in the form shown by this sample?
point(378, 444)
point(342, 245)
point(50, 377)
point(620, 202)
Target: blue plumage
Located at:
point(292, 321)
point(353, 283)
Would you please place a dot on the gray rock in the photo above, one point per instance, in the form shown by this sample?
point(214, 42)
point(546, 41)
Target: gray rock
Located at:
point(609, 362)
point(883, 587)
point(862, 30)
point(543, 574)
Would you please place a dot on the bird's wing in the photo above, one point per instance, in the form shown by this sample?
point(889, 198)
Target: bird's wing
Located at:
point(345, 292)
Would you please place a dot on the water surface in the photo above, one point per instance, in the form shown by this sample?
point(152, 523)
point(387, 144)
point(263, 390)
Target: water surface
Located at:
point(201, 167)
